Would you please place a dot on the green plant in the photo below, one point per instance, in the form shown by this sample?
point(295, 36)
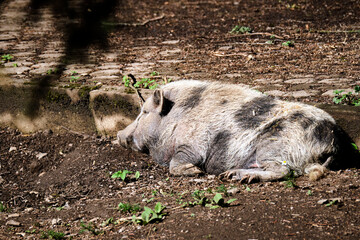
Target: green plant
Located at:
point(219, 201)
point(309, 193)
point(332, 202)
point(52, 71)
point(290, 180)
point(74, 78)
point(15, 65)
point(2, 207)
point(355, 146)
point(247, 188)
point(73, 73)
point(107, 222)
point(241, 29)
point(215, 202)
point(126, 81)
point(7, 58)
point(150, 215)
point(288, 44)
point(32, 231)
point(123, 173)
point(128, 208)
point(50, 234)
point(222, 189)
point(347, 98)
point(89, 227)
point(146, 83)
point(154, 73)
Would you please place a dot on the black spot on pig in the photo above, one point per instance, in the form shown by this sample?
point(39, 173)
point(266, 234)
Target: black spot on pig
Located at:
point(325, 131)
point(216, 155)
point(194, 98)
point(254, 112)
point(303, 120)
point(273, 128)
point(167, 106)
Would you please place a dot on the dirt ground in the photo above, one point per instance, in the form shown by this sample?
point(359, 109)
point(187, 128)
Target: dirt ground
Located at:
point(72, 185)
point(62, 182)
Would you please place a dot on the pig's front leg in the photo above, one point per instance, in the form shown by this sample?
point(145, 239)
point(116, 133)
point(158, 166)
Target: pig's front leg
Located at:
point(184, 162)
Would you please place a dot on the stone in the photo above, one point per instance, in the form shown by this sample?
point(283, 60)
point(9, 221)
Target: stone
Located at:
point(322, 201)
point(40, 155)
point(107, 72)
point(12, 149)
point(275, 93)
point(13, 223)
point(300, 80)
point(170, 42)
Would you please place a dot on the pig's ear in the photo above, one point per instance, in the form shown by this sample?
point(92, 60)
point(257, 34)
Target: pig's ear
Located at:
point(161, 104)
point(158, 99)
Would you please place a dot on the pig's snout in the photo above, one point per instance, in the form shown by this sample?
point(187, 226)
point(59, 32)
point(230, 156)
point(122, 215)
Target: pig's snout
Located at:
point(124, 139)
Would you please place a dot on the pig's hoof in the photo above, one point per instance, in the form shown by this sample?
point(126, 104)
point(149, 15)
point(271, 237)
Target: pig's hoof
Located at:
point(250, 178)
point(185, 170)
point(239, 176)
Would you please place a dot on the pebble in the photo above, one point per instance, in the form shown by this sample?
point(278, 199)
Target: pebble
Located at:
point(30, 209)
point(233, 191)
point(12, 149)
point(13, 223)
point(40, 155)
point(56, 221)
point(322, 201)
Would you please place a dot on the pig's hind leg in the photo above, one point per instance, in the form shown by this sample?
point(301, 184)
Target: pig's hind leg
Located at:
point(269, 173)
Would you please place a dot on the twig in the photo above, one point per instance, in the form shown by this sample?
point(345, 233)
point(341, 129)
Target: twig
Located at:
point(135, 24)
point(73, 132)
point(141, 99)
point(261, 33)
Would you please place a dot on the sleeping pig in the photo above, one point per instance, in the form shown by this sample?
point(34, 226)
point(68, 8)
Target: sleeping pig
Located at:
point(237, 133)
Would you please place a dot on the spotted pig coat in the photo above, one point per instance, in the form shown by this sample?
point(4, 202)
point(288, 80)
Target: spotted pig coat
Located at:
point(236, 132)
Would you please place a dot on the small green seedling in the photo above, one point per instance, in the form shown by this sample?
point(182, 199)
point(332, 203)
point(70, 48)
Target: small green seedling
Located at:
point(240, 30)
point(126, 81)
point(347, 98)
point(123, 173)
point(290, 180)
point(128, 208)
point(74, 78)
point(355, 146)
point(2, 207)
point(73, 73)
point(32, 231)
point(52, 235)
point(146, 83)
point(154, 73)
point(52, 71)
point(90, 227)
point(150, 215)
point(309, 193)
point(107, 222)
point(15, 65)
point(222, 189)
point(219, 201)
point(7, 58)
point(288, 44)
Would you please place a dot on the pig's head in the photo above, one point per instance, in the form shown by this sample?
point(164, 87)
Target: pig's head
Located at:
point(144, 131)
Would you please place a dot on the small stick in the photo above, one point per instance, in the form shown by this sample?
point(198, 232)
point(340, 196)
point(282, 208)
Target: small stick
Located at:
point(136, 24)
point(141, 99)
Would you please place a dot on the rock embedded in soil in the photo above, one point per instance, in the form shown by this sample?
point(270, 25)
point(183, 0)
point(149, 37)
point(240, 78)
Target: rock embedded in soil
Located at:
point(13, 223)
